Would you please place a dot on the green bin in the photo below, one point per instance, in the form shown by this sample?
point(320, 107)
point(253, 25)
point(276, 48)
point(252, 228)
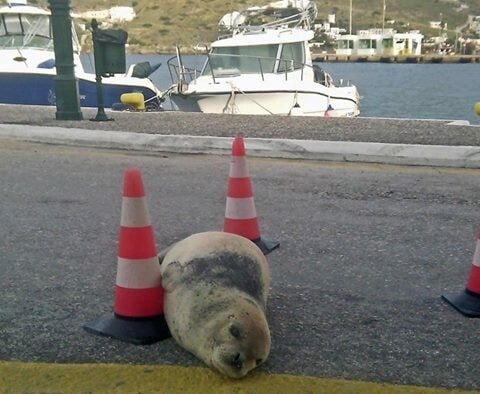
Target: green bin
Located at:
point(109, 51)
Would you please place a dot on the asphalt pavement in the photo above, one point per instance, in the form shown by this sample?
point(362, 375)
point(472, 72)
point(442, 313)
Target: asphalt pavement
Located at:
point(366, 251)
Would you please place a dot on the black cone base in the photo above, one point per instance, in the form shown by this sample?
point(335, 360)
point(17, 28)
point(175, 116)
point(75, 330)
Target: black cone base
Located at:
point(466, 302)
point(266, 246)
point(142, 331)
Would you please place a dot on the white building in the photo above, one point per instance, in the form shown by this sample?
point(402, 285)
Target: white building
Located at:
point(114, 14)
point(438, 25)
point(375, 42)
point(122, 14)
point(94, 14)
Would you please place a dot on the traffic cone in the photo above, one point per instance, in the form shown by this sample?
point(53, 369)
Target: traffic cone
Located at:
point(240, 213)
point(468, 301)
point(138, 305)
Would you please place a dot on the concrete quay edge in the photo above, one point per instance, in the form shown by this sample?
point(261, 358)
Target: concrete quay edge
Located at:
point(343, 151)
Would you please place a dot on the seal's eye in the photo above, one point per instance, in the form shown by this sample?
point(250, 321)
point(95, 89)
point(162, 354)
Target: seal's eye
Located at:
point(235, 330)
point(258, 361)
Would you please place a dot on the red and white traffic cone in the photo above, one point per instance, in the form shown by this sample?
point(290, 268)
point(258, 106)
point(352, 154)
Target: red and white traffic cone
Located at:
point(138, 305)
point(468, 301)
point(240, 213)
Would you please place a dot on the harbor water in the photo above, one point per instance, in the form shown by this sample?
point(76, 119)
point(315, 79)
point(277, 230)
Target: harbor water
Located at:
point(415, 91)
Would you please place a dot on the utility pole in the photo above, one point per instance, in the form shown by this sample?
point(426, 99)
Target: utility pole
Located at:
point(350, 30)
point(66, 84)
point(383, 20)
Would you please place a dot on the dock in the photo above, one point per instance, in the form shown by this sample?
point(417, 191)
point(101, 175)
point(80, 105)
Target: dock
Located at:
point(427, 58)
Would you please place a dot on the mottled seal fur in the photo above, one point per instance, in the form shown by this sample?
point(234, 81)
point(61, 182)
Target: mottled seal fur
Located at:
point(216, 287)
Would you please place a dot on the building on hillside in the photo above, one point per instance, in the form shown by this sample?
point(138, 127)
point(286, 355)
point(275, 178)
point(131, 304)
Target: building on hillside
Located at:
point(438, 25)
point(122, 14)
point(94, 14)
point(113, 15)
point(380, 42)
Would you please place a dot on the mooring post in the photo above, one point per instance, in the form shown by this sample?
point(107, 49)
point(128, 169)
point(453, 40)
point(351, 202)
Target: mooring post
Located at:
point(66, 84)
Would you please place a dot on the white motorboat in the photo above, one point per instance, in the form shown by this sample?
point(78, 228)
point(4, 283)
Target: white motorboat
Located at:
point(27, 64)
point(263, 69)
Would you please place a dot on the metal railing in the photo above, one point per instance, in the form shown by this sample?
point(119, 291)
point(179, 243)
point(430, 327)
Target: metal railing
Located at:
point(257, 66)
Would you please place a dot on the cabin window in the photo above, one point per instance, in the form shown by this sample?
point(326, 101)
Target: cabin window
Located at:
point(344, 44)
point(387, 43)
point(25, 31)
point(2, 27)
point(367, 44)
point(36, 24)
point(255, 59)
point(292, 57)
point(12, 24)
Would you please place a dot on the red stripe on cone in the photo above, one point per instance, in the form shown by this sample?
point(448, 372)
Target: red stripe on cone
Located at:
point(136, 243)
point(247, 228)
point(473, 283)
point(138, 302)
point(474, 280)
point(239, 187)
point(132, 183)
point(238, 147)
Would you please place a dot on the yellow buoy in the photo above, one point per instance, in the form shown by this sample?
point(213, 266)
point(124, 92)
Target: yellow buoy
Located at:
point(476, 107)
point(134, 99)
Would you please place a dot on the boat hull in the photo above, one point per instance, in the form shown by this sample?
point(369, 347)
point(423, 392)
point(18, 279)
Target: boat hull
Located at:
point(268, 103)
point(39, 89)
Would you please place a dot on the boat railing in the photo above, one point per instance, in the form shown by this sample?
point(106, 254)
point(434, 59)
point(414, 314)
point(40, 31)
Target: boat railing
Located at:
point(260, 65)
point(178, 72)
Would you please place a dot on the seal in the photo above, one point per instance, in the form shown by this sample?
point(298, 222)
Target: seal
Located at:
point(216, 288)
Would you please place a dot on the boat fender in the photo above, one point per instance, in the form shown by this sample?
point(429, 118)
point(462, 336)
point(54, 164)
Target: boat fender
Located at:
point(50, 63)
point(476, 108)
point(136, 100)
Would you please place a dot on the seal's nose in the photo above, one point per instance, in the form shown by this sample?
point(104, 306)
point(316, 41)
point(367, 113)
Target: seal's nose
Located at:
point(237, 361)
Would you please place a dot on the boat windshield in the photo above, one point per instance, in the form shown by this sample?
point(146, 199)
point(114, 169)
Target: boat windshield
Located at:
point(253, 59)
point(25, 31)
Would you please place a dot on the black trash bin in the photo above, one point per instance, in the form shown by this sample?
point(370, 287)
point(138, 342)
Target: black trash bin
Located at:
point(109, 48)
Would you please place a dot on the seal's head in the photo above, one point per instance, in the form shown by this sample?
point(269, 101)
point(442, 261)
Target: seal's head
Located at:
point(241, 343)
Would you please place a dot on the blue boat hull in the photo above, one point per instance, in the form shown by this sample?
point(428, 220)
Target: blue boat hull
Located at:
point(39, 89)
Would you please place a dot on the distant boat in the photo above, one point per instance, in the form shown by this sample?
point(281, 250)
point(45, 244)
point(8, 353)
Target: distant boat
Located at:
point(27, 64)
point(263, 69)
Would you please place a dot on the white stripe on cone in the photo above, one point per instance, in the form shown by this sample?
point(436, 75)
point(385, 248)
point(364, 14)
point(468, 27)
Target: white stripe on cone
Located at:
point(238, 167)
point(134, 212)
point(476, 255)
point(240, 208)
point(138, 274)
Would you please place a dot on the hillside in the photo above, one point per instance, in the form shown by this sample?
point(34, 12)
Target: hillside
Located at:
point(161, 24)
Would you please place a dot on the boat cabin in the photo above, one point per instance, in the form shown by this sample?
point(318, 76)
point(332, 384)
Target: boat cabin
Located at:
point(23, 26)
point(259, 52)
